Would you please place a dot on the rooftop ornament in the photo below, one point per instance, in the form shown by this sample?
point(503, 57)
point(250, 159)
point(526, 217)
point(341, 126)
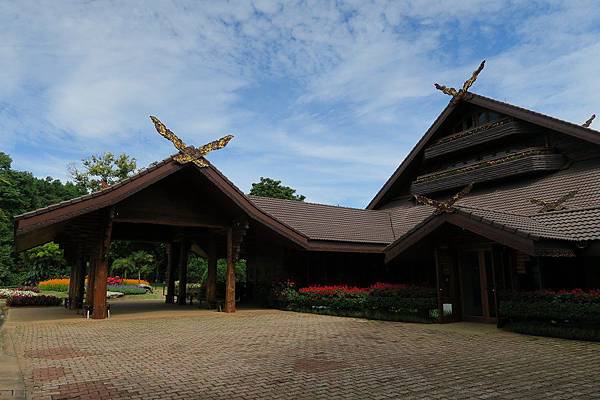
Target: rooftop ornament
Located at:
point(187, 153)
point(447, 206)
point(459, 94)
point(587, 123)
point(554, 205)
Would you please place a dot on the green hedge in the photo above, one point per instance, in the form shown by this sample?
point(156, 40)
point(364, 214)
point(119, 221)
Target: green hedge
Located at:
point(126, 289)
point(40, 300)
point(551, 310)
point(389, 304)
point(573, 314)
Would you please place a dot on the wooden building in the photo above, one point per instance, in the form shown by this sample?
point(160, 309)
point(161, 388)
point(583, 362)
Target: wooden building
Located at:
point(531, 220)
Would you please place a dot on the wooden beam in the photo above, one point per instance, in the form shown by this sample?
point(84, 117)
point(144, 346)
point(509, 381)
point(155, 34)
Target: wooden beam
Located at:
point(230, 290)
point(184, 251)
point(211, 279)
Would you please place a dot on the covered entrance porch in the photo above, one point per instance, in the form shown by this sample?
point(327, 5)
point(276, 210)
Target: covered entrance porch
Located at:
point(181, 206)
point(471, 264)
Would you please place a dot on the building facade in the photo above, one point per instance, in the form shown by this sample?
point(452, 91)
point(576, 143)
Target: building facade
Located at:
point(493, 197)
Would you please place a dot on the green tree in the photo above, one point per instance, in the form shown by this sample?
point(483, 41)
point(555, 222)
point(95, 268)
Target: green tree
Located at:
point(268, 187)
point(198, 270)
point(20, 192)
point(102, 169)
point(139, 262)
point(45, 262)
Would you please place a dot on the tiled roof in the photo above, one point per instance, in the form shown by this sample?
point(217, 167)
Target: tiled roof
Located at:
point(325, 222)
point(508, 206)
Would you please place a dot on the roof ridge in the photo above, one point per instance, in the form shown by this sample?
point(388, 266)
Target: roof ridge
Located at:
point(535, 112)
point(107, 189)
point(312, 203)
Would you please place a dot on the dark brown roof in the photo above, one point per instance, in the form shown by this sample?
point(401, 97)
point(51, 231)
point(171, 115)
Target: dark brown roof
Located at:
point(329, 228)
point(533, 117)
point(507, 207)
point(325, 222)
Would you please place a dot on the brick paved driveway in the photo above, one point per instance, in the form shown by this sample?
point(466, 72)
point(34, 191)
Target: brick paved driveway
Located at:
point(279, 355)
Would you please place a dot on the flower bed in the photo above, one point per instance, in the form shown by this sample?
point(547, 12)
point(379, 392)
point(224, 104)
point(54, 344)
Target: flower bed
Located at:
point(127, 286)
point(572, 314)
point(6, 293)
point(55, 285)
point(396, 302)
point(19, 299)
point(126, 289)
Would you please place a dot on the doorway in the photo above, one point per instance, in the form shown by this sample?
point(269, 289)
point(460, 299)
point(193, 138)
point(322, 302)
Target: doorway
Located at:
point(477, 285)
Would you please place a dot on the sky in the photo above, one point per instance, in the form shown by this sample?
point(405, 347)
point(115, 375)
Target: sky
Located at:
point(326, 96)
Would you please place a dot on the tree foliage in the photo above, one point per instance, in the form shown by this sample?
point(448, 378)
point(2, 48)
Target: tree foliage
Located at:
point(139, 262)
point(268, 187)
point(102, 169)
point(20, 192)
point(44, 262)
point(198, 270)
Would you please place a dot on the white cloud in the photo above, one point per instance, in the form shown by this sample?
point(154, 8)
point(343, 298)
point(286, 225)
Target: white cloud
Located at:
point(327, 96)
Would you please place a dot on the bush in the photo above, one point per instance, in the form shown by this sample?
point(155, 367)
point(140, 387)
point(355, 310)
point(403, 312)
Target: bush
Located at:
point(379, 301)
point(126, 289)
point(573, 305)
point(19, 300)
point(572, 314)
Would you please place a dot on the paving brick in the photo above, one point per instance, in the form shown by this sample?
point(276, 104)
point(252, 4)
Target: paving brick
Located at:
point(270, 354)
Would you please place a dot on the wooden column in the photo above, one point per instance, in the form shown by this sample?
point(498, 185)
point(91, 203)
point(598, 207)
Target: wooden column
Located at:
point(73, 280)
point(230, 290)
point(100, 259)
point(211, 278)
point(99, 310)
point(75, 284)
point(183, 261)
point(89, 288)
point(80, 288)
point(172, 262)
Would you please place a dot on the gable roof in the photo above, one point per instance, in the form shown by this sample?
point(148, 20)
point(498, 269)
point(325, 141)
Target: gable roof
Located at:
point(505, 210)
point(311, 226)
point(44, 217)
point(533, 117)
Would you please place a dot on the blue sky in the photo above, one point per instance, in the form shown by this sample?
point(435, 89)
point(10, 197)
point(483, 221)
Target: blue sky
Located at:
point(326, 96)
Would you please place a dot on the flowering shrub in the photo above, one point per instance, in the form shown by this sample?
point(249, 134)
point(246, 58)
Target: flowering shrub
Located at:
point(6, 293)
point(21, 300)
point(332, 290)
point(55, 285)
point(114, 280)
point(380, 300)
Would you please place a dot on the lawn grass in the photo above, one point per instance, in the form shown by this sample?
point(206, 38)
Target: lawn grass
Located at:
point(61, 295)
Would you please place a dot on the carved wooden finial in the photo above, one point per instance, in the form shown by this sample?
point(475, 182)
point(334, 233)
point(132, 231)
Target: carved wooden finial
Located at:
point(443, 206)
point(189, 153)
point(587, 123)
point(554, 205)
point(458, 94)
